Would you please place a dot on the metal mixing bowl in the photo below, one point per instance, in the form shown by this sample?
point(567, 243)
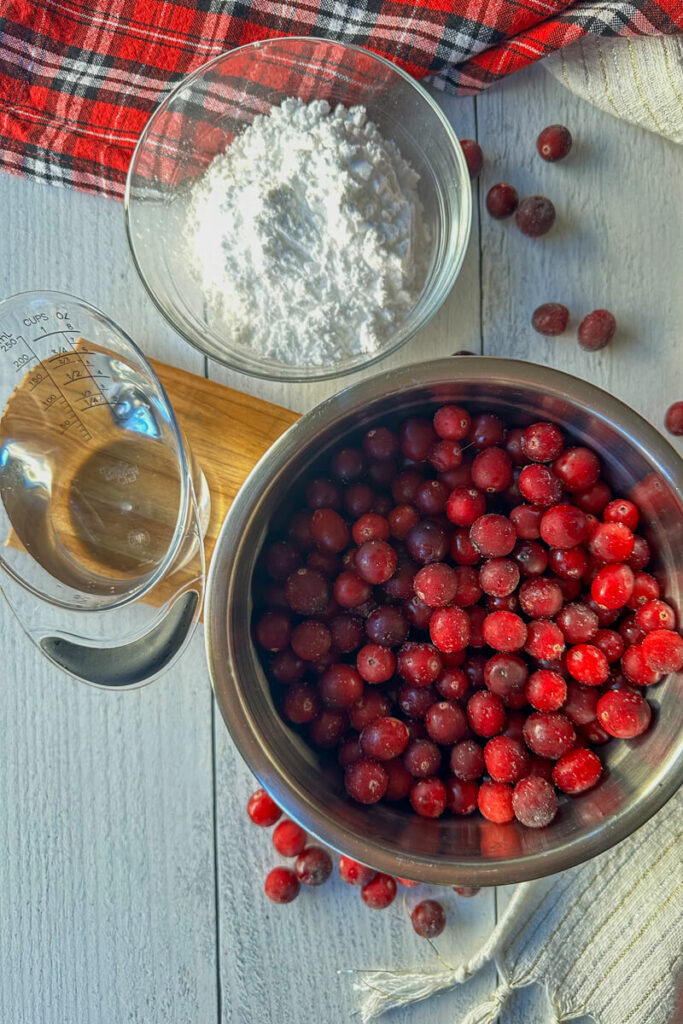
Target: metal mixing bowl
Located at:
point(641, 774)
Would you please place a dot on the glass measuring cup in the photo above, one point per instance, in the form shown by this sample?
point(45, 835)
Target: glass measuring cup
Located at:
point(102, 507)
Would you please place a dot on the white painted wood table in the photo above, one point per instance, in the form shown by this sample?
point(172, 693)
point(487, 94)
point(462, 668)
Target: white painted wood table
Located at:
point(130, 879)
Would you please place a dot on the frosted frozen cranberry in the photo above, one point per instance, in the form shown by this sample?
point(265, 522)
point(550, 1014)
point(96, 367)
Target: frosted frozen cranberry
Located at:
point(641, 553)
point(611, 542)
point(636, 669)
point(499, 577)
point(467, 760)
point(327, 728)
point(577, 771)
point(262, 809)
point(348, 633)
point(493, 535)
point(569, 563)
point(452, 684)
point(301, 704)
point(578, 623)
point(587, 664)
point(281, 885)
point(596, 330)
point(621, 510)
point(400, 586)
point(592, 500)
point(540, 598)
point(449, 629)
point(544, 640)
point(375, 664)
point(399, 780)
point(495, 801)
point(546, 690)
point(428, 919)
point(428, 797)
point(564, 526)
point(526, 520)
point(384, 739)
point(549, 734)
point(485, 714)
point(506, 759)
point(504, 631)
point(492, 470)
point(663, 651)
point(612, 586)
point(542, 442)
point(577, 468)
point(313, 866)
point(354, 873)
point(550, 319)
point(539, 485)
point(474, 157)
point(436, 584)
point(372, 705)
point(554, 142)
point(623, 714)
point(340, 686)
point(307, 592)
point(376, 561)
point(534, 802)
point(427, 542)
point(365, 781)
point(445, 722)
point(610, 643)
point(422, 758)
point(502, 200)
point(282, 559)
point(289, 839)
point(655, 615)
point(506, 675)
point(419, 664)
point(379, 893)
point(417, 437)
point(452, 422)
point(673, 420)
point(465, 504)
point(461, 795)
point(387, 626)
point(535, 216)
point(446, 455)
point(311, 640)
point(645, 588)
point(286, 667)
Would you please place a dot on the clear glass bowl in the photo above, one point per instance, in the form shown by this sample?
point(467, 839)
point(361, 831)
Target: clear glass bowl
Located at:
point(201, 117)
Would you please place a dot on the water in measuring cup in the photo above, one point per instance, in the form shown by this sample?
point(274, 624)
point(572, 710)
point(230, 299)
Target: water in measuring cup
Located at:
point(89, 471)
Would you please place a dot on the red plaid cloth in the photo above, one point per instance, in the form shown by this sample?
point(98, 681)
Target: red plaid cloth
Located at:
point(79, 78)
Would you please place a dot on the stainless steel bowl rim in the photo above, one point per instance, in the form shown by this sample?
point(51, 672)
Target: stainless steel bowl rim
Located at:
point(244, 731)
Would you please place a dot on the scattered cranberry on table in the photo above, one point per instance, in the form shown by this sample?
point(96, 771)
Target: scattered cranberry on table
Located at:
point(429, 919)
point(457, 614)
point(535, 216)
point(262, 809)
point(554, 142)
point(474, 156)
point(673, 420)
point(596, 330)
point(502, 200)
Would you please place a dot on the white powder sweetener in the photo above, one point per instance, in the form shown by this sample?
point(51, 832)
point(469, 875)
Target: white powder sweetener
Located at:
point(307, 235)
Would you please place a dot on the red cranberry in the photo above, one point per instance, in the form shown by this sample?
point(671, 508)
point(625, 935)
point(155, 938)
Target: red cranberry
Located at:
point(531, 557)
point(492, 470)
point(513, 446)
point(495, 801)
point(375, 664)
point(506, 759)
point(539, 485)
point(594, 733)
point(273, 631)
point(300, 531)
point(429, 919)
point(499, 577)
point(405, 487)
point(610, 643)
point(534, 802)
point(673, 420)
point(422, 758)
point(546, 690)
point(399, 781)
point(463, 551)
point(340, 686)
point(445, 722)
point(645, 588)
point(587, 664)
point(311, 640)
point(366, 781)
point(461, 795)
point(380, 443)
point(348, 465)
point(655, 615)
point(281, 885)
point(262, 809)
point(502, 200)
point(577, 771)
point(449, 629)
point(370, 527)
point(476, 617)
point(636, 669)
point(467, 760)
point(452, 684)
point(554, 142)
point(417, 437)
point(301, 704)
point(526, 520)
point(436, 584)
point(535, 216)
point(282, 559)
point(486, 430)
point(372, 705)
point(612, 586)
point(289, 839)
point(427, 541)
point(327, 728)
point(347, 633)
point(641, 554)
point(569, 563)
point(376, 561)
point(505, 675)
point(596, 330)
point(384, 739)
point(623, 713)
point(592, 500)
point(564, 526)
point(550, 319)
point(611, 542)
point(401, 521)
point(465, 504)
point(549, 734)
point(578, 623)
point(286, 667)
point(474, 158)
point(630, 631)
point(313, 866)
point(663, 651)
point(415, 701)
point(493, 535)
point(577, 468)
point(621, 511)
point(307, 592)
point(451, 422)
point(504, 631)
point(354, 873)
point(379, 893)
point(544, 641)
point(540, 598)
point(358, 499)
point(428, 797)
point(329, 530)
point(542, 442)
point(324, 562)
point(387, 626)
point(485, 714)
point(349, 751)
point(419, 664)
point(468, 589)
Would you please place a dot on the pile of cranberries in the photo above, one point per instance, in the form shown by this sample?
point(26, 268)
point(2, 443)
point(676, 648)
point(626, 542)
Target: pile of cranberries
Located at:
point(462, 612)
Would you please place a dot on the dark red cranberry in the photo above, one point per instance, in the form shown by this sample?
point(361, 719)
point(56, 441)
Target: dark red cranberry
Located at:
point(419, 664)
point(461, 796)
point(311, 640)
point(526, 520)
point(436, 584)
point(380, 443)
point(369, 527)
point(485, 713)
point(417, 438)
point(474, 157)
point(463, 551)
point(379, 893)
point(428, 797)
point(467, 760)
point(554, 142)
point(505, 675)
point(645, 588)
point(354, 873)
point(282, 559)
point(307, 592)
point(468, 590)
point(493, 535)
point(327, 728)
point(513, 446)
point(530, 557)
point(449, 629)
point(427, 541)
point(534, 802)
point(375, 664)
point(641, 554)
point(465, 504)
point(549, 734)
point(376, 561)
point(564, 526)
point(384, 739)
point(452, 684)
point(313, 866)
point(405, 486)
point(486, 430)
point(428, 918)
point(596, 330)
point(445, 722)
point(550, 319)
point(431, 497)
point(492, 470)
point(422, 758)
point(577, 468)
point(350, 590)
point(301, 704)
point(419, 614)
point(415, 701)
point(535, 216)
point(340, 686)
point(499, 577)
point(673, 420)
point(502, 200)
point(610, 643)
point(540, 598)
point(373, 704)
point(592, 500)
point(286, 667)
point(542, 442)
point(348, 633)
point(387, 625)
point(273, 630)
point(452, 422)
point(358, 499)
point(578, 622)
point(569, 563)
point(366, 781)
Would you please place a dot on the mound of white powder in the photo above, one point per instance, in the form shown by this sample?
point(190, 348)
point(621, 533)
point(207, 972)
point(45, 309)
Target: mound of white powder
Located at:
point(307, 235)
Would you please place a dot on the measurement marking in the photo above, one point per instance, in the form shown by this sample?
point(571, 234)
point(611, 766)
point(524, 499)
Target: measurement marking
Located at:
point(66, 424)
point(92, 376)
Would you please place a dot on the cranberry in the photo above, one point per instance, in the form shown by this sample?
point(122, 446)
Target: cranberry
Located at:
point(340, 686)
point(485, 714)
point(401, 521)
point(621, 511)
point(623, 713)
point(571, 588)
point(429, 919)
point(417, 437)
point(673, 420)
point(324, 562)
point(577, 771)
point(587, 664)
point(282, 559)
point(495, 801)
point(564, 526)
point(307, 592)
point(405, 487)
point(379, 893)
point(301, 704)
point(451, 422)
point(467, 760)
point(542, 442)
point(286, 667)
point(419, 664)
point(311, 640)
point(468, 591)
point(493, 535)
point(502, 200)
point(463, 551)
point(487, 430)
point(370, 527)
point(506, 759)
point(577, 468)
point(612, 586)
point(611, 542)
point(428, 797)
point(354, 873)
point(499, 577)
point(465, 504)
point(372, 705)
point(262, 809)
point(399, 781)
point(431, 497)
point(449, 629)
point(422, 758)
point(427, 541)
point(550, 319)
point(578, 623)
point(641, 554)
point(539, 485)
point(504, 631)
point(289, 839)
point(544, 641)
point(359, 499)
point(375, 664)
point(445, 722)
point(281, 885)
point(387, 626)
point(380, 443)
point(376, 561)
point(630, 631)
point(349, 751)
point(327, 728)
point(645, 588)
point(610, 643)
point(452, 684)
point(329, 530)
point(436, 584)
point(492, 470)
point(348, 465)
point(466, 890)
point(594, 733)
point(414, 701)
point(313, 866)
point(534, 802)
point(526, 520)
point(546, 690)
point(549, 734)
point(384, 739)
point(366, 781)
point(636, 669)
point(569, 563)
point(535, 216)
point(593, 500)
point(540, 598)
point(474, 158)
point(347, 633)
point(596, 330)
point(273, 631)
point(300, 531)
point(663, 651)
point(655, 615)
point(554, 142)
point(505, 675)
point(461, 795)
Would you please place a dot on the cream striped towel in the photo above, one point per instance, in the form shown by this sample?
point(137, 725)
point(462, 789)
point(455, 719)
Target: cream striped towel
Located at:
point(603, 939)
